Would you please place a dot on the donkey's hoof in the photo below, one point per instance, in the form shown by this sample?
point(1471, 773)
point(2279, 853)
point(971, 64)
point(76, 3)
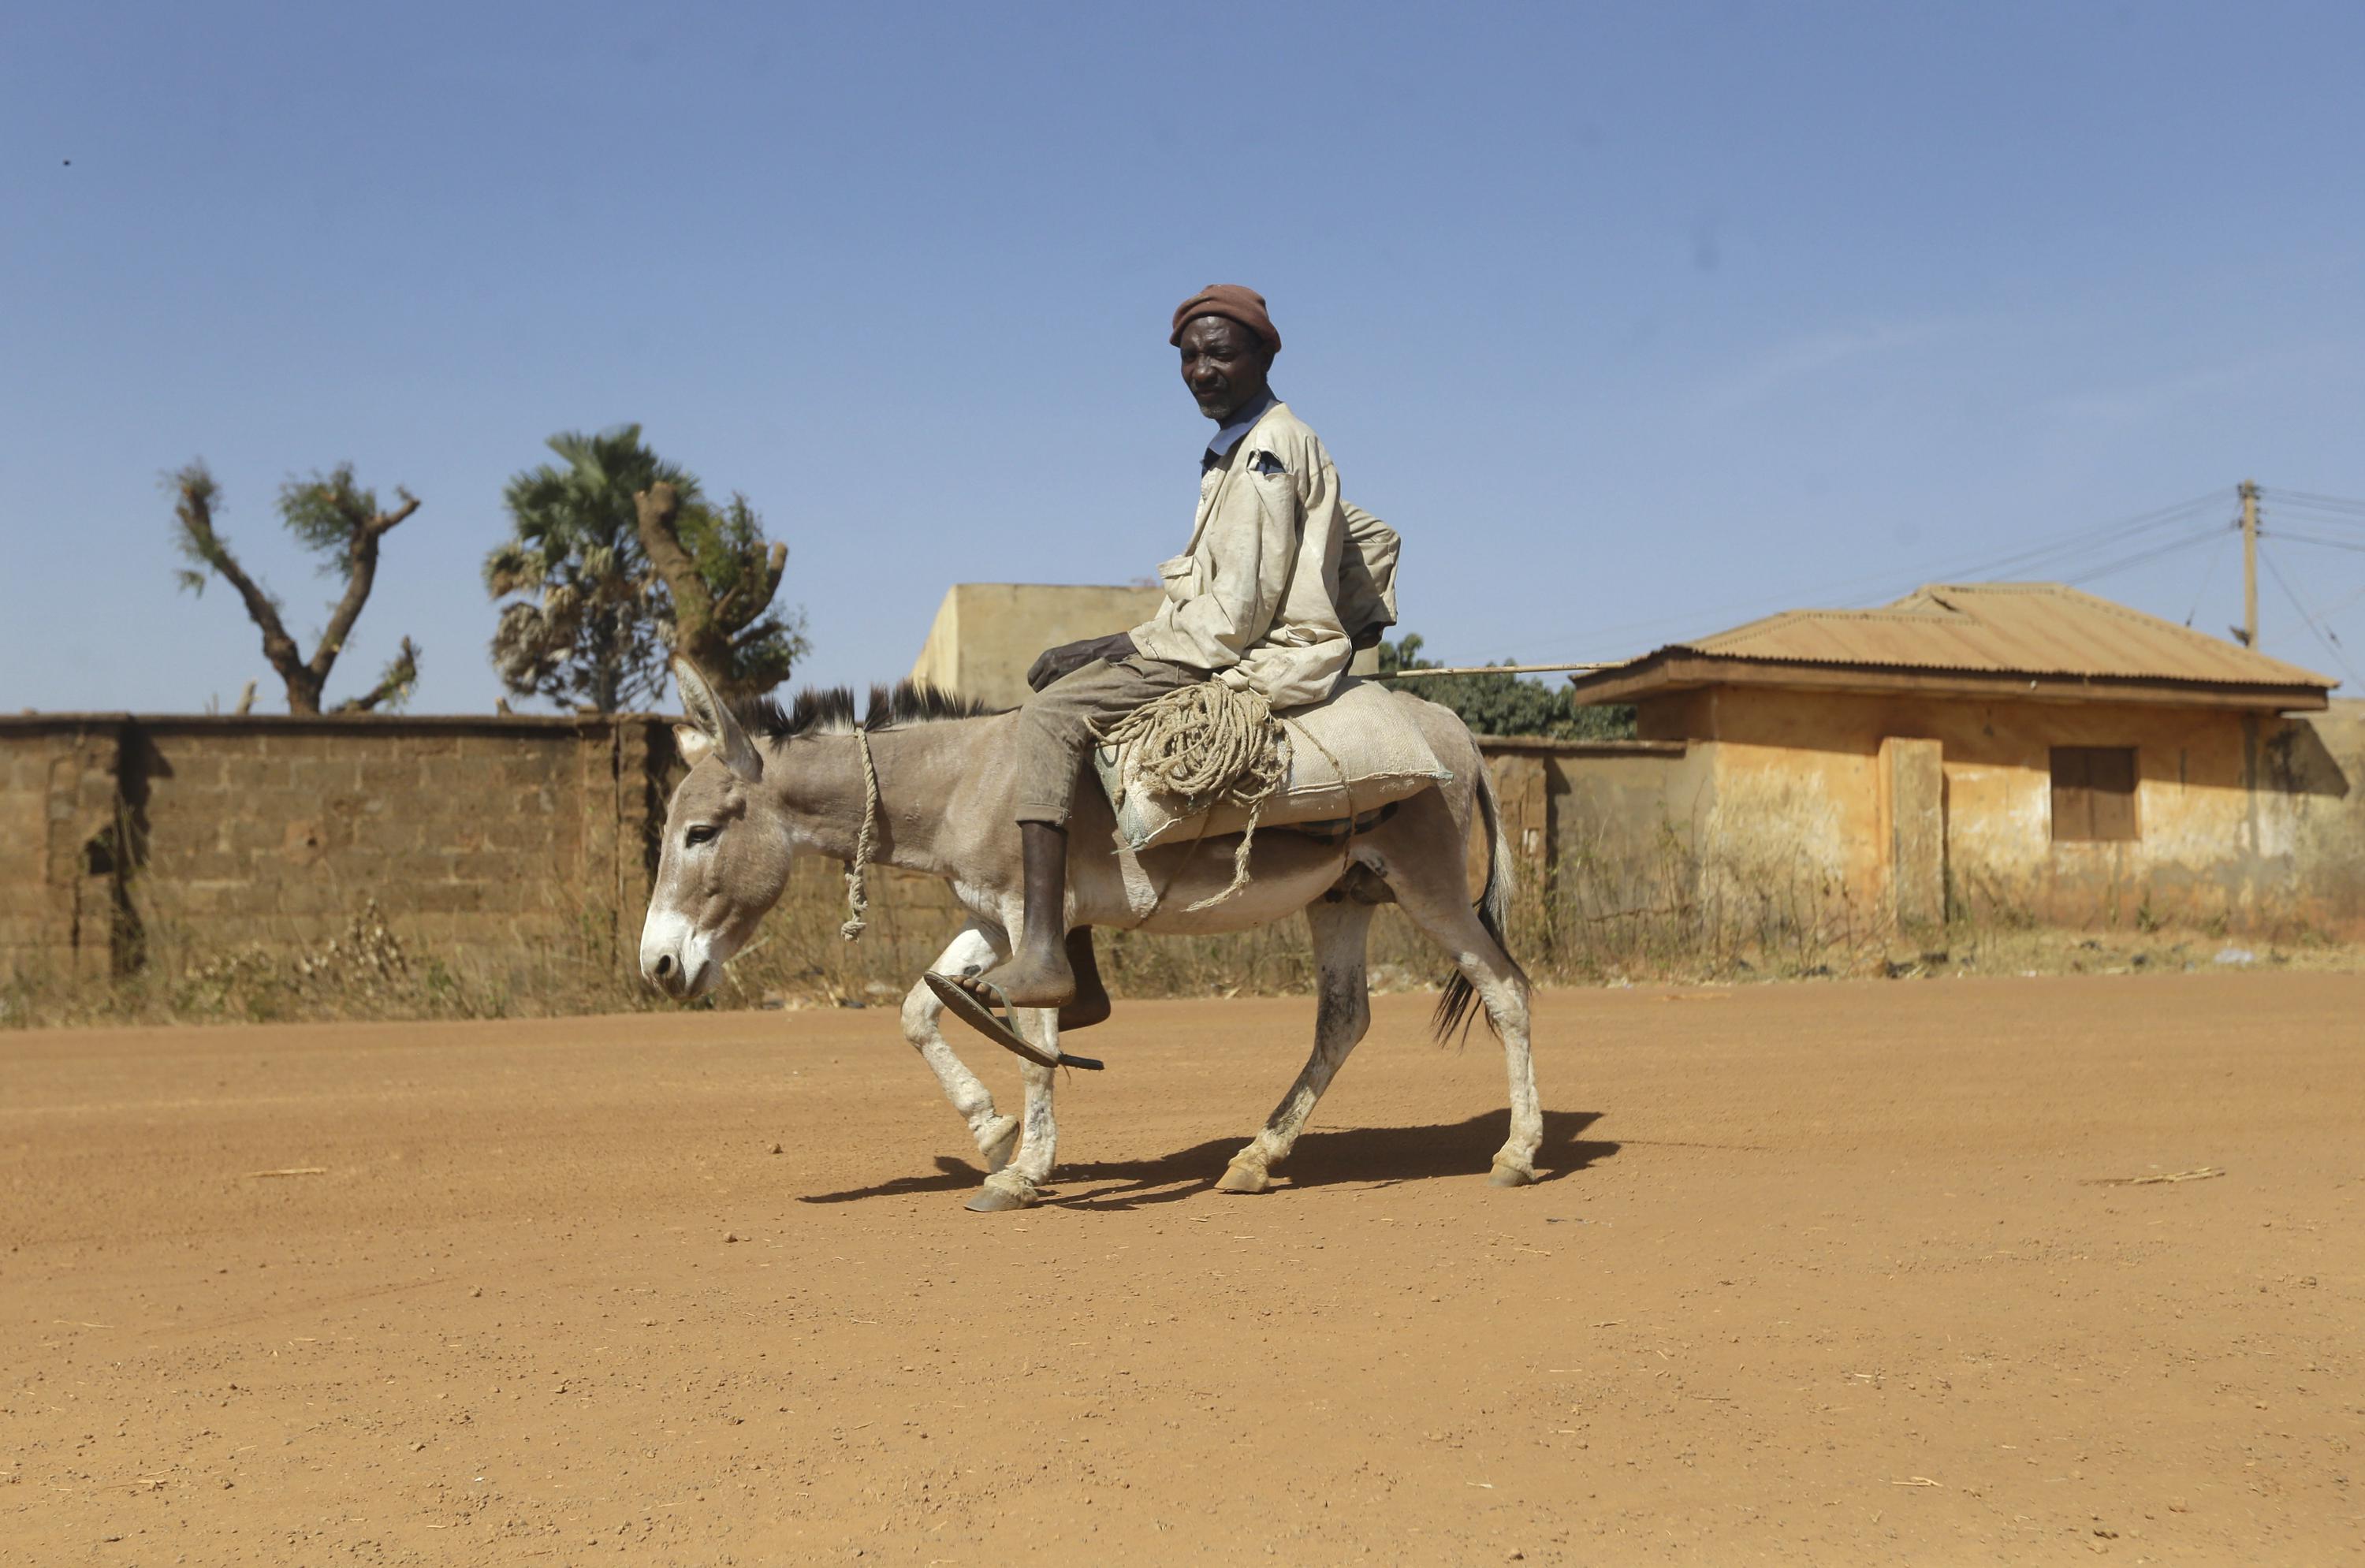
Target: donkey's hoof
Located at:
point(997, 1141)
point(1001, 1193)
point(1240, 1178)
point(1508, 1175)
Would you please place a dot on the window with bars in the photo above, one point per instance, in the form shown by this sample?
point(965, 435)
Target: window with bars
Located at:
point(2094, 794)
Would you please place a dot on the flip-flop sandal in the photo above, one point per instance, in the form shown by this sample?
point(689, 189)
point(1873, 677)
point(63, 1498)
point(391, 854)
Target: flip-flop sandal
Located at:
point(1000, 1028)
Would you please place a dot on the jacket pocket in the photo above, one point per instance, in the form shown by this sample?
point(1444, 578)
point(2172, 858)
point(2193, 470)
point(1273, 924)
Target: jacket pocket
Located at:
point(1181, 578)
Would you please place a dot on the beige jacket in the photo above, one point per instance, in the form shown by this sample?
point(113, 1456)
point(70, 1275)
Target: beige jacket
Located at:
point(1254, 595)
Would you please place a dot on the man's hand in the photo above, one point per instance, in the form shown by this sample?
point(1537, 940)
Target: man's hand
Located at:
point(1057, 664)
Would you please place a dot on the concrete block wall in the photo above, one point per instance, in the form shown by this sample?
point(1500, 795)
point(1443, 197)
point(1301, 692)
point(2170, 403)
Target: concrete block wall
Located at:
point(60, 829)
point(281, 833)
point(128, 840)
point(1598, 816)
point(121, 837)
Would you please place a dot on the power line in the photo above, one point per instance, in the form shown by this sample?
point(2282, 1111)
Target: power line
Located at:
point(2305, 497)
point(2075, 544)
point(2357, 544)
point(2047, 558)
point(2208, 575)
point(2309, 504)
point(2141, 557)
point(2315, 503)
point(2317, 519)
point(1851, 591)
point(2330, 643)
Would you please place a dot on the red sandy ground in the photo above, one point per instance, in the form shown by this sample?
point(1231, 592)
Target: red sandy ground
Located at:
point(1823, 1274)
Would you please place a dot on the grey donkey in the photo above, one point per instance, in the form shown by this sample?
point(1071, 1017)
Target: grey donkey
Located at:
point(928, 782)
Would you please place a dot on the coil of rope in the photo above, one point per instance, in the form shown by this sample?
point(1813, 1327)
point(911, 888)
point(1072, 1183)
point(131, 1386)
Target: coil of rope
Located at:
point(1211, 746)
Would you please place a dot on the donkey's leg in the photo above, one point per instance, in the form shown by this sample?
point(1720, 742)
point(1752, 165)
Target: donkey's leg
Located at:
point(1339, 1020)
point(1014, 1186)
point(974, 950)
point(1435, 897)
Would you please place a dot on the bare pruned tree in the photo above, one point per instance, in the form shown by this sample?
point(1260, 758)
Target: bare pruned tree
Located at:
point(721, 573)
point(615, 560)
point(395, 684)
point(336, 520)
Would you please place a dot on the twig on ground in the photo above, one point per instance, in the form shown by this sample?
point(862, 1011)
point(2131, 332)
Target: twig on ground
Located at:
point(294, 1171)
point(2202, 1174)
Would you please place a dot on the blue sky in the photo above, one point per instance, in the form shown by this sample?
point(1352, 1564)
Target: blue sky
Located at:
point(1637, 320)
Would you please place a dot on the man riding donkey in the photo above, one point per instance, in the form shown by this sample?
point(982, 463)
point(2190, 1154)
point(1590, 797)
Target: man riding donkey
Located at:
point(1254, 604)
point(1374, 796)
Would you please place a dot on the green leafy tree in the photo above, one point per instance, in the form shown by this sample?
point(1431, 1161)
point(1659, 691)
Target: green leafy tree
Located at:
point(1502, 703)
point(615, 562)
point(338, 522)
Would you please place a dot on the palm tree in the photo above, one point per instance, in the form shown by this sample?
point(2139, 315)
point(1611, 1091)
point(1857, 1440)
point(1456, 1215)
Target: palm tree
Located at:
point(616, 561)
point(584, 628)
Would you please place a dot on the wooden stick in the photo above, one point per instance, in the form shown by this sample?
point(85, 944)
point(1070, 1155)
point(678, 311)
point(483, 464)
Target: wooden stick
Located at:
point(2203, 1174)
point(1496, 669)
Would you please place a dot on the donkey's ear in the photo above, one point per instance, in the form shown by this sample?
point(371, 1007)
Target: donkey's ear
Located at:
point(715, 721)
point(693, 742)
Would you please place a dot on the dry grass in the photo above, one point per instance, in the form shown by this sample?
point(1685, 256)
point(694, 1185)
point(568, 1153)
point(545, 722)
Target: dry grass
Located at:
point(366, 970)
point(1673, 918)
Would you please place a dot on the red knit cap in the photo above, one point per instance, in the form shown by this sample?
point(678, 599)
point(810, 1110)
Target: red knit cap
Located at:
point(1241, 304)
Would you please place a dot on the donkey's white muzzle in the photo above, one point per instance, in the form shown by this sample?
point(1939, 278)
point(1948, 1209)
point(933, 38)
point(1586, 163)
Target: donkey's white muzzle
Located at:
point(673, 958)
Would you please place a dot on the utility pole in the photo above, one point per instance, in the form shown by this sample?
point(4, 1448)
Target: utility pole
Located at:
point(2249, 563)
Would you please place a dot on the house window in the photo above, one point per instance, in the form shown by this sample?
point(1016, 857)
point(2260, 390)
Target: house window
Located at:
point(2094, 794)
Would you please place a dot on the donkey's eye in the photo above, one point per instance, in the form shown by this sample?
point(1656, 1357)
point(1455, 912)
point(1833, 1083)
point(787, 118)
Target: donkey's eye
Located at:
point(700, 834)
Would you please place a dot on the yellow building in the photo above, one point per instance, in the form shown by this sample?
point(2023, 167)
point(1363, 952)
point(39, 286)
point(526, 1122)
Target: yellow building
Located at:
point(986, 634)
point(2008, 749)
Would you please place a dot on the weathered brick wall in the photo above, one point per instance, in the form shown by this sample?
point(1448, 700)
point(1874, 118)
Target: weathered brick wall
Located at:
point(59, 826)
point(130, 843)
point(130, 840)
point(281, 833)
point(124, 837)
point(23, 860)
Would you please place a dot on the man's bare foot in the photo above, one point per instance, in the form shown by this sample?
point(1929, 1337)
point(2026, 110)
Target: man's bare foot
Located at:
point(1028, 978)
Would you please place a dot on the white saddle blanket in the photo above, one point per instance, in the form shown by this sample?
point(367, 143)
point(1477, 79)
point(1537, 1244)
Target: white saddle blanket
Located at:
point(1358, 750)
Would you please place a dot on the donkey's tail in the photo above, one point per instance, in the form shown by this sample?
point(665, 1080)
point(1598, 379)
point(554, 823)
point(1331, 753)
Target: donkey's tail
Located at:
point(1460, 998)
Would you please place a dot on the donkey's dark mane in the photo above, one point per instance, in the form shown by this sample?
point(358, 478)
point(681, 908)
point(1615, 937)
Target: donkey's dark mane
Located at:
point(831, 712)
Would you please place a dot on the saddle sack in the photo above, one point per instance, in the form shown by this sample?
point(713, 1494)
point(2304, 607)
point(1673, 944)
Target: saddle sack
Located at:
point(1357, 750)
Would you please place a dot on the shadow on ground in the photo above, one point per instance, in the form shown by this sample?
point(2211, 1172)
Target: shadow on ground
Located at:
point(1376, 1156)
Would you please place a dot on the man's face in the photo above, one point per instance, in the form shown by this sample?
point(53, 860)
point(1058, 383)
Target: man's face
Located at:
point(1224, 365)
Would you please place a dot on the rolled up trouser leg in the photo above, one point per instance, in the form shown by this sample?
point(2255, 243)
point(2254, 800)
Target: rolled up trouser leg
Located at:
point(1056, 725)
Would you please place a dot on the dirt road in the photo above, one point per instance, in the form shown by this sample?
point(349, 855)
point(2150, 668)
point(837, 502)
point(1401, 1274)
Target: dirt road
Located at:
point(1821, 1273)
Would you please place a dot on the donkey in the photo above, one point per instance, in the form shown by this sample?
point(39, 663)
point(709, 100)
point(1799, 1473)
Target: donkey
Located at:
point(925, 782)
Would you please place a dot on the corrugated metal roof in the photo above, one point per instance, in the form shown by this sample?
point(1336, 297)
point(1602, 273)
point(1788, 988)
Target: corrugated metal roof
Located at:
point(2003, 628)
